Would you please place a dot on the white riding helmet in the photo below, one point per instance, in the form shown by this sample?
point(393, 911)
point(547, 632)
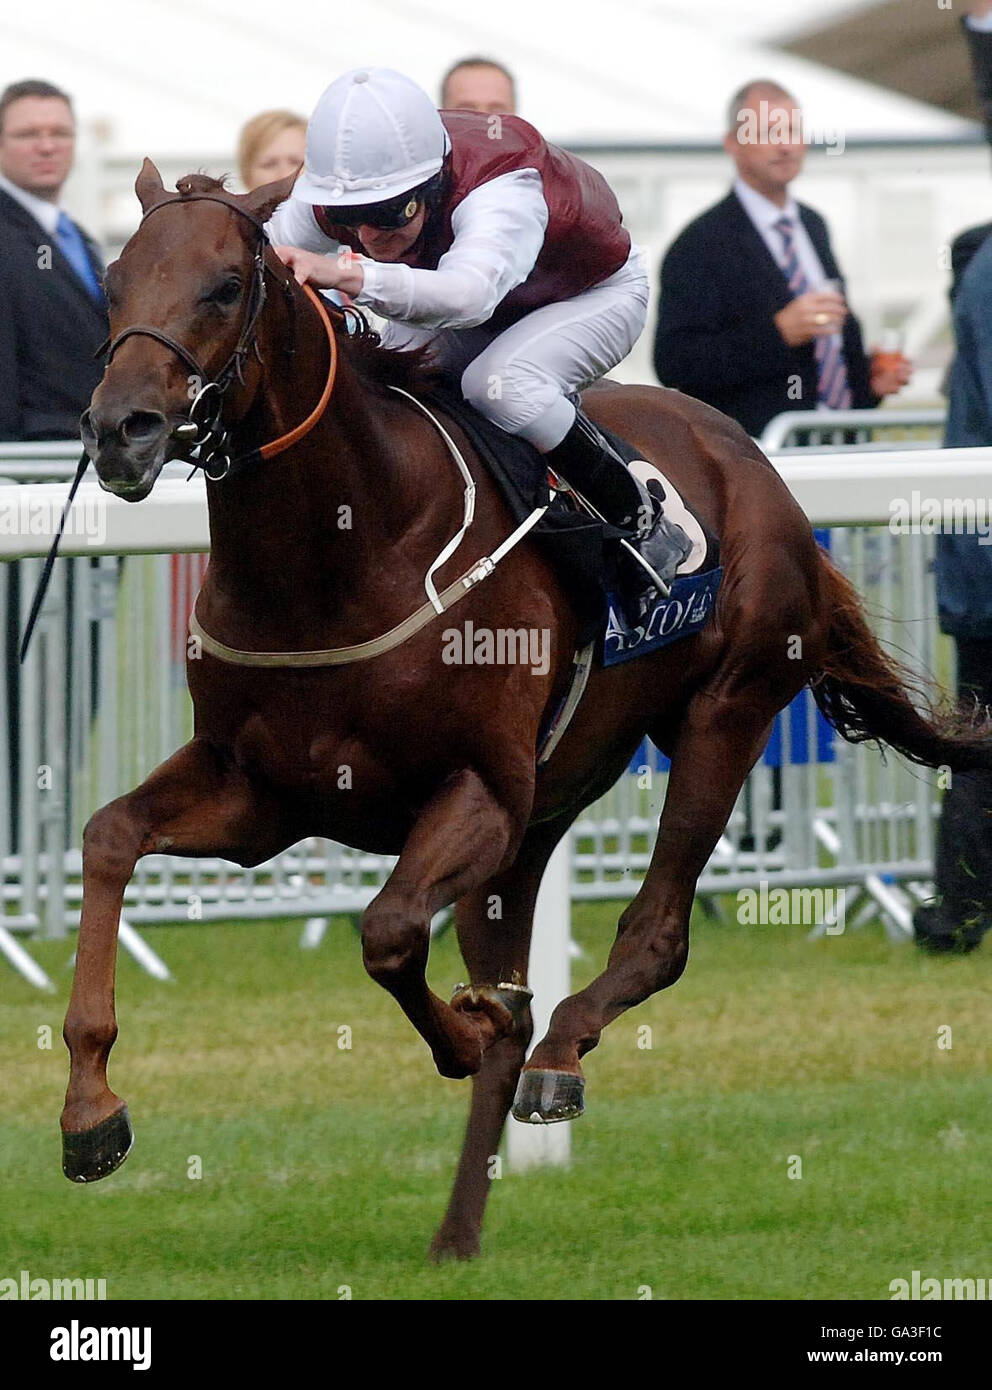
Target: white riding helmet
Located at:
point(374, 135)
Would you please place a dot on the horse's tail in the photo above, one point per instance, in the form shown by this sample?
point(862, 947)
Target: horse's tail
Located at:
point(869, 696)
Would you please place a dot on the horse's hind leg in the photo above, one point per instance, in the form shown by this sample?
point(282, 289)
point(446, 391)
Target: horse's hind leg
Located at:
point(718, 743)
point(494, 950)
point(189, 805)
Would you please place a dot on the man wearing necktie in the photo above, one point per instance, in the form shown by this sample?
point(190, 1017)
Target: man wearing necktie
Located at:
point(52, 319)
point(52, 310)
point(833, 390)
point(752, 316)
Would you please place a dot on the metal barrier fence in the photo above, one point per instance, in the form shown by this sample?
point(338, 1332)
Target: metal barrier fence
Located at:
point(102, 700)
point(796, 430)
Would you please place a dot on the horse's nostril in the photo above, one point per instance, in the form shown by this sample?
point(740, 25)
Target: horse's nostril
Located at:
point(141, 425)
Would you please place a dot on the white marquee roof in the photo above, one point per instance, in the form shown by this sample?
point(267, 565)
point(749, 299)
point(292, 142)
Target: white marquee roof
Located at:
point(177, 76)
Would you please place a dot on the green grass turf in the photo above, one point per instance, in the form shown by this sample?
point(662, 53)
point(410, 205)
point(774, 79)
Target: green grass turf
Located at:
point(325, 1167)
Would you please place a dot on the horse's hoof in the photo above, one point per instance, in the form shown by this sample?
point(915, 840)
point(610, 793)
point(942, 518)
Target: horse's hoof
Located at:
point(94, 1153)
point(513, 997)
point(546, 1097)
point(454, 1246)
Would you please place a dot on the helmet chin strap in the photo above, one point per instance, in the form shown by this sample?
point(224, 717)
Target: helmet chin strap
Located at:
point(433, 195)
point(435, 188)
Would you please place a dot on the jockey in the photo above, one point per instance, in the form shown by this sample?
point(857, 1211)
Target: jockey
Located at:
point(506, 253)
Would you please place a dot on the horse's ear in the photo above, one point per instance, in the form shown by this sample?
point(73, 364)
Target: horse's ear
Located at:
point(264, 201)
point(148, 185)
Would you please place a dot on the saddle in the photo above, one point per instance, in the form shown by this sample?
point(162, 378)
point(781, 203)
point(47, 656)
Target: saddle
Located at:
point(584, 549)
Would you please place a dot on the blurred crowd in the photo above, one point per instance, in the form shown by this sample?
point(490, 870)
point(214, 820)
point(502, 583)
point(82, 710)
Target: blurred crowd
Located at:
point(753, 318)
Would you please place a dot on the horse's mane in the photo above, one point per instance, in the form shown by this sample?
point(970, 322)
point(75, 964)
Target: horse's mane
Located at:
point(408, 368)
point(411, 369)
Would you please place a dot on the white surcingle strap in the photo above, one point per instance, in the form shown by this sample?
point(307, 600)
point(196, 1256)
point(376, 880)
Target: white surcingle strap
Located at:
point(469, 515)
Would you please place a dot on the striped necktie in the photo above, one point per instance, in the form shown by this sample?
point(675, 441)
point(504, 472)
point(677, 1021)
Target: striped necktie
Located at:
point(831, 369)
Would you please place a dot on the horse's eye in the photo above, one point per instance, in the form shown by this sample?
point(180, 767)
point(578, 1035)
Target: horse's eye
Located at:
point(228, 292)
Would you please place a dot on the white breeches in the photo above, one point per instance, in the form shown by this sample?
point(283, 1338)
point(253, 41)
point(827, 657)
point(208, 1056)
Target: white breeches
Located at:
point(520, 378)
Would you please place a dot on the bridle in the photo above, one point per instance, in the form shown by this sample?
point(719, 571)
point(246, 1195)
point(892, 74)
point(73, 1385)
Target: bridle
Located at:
point(204, 430)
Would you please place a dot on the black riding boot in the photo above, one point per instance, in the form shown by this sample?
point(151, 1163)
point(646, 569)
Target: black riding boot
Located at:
point(590, 464)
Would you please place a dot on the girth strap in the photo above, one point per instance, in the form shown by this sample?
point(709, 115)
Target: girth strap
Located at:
point(342, 656)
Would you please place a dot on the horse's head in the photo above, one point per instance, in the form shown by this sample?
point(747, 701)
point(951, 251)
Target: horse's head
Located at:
point(184, 298)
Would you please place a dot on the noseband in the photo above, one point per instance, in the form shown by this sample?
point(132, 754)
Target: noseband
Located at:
point(204, 430)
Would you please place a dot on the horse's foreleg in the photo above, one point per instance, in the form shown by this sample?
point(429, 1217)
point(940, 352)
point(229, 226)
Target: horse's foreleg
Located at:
point(461, 839)
point(718, 744)
point(494, 950)
point(190, 804)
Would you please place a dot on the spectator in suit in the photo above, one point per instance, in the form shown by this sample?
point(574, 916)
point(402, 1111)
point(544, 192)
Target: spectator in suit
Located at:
point(270, 146)
point(479, 84)
point(963, 910)
point(747, 320)
point(52, 311)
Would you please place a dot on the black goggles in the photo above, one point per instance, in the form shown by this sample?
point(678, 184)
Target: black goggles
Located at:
point(387, 216)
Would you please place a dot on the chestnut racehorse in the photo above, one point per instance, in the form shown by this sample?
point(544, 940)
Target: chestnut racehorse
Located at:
point(440, 759)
